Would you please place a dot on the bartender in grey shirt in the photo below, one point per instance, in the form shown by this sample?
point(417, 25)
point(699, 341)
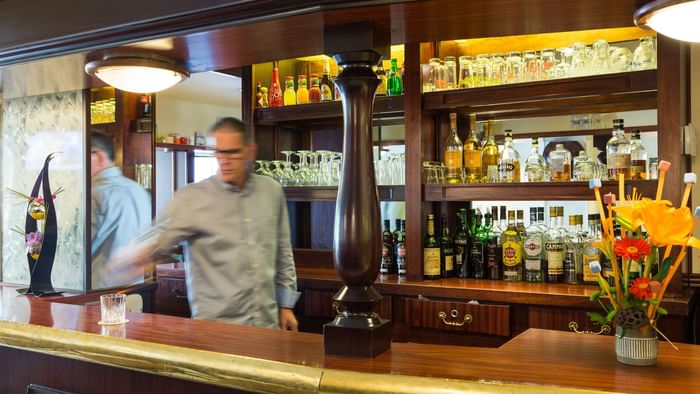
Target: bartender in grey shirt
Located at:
point(120, 212)
point(240, 266)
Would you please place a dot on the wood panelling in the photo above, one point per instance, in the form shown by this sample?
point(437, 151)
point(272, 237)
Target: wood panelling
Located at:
point(559, 319)
point(459, 316)
point(330, 193)
point(321, 304)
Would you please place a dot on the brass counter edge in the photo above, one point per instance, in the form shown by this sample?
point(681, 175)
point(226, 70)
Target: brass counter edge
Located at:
point(234, 371)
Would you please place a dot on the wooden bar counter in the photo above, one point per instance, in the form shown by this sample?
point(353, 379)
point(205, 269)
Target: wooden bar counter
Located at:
point(61, 345)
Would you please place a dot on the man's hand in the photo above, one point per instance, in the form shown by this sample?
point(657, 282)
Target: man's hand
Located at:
point(287, 320)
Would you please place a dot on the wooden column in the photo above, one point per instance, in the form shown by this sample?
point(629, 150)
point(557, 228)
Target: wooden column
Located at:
point(357, 330)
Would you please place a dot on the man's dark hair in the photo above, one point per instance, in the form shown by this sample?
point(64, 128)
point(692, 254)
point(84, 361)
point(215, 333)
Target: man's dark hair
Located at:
point(232, 124)
point(103, 142)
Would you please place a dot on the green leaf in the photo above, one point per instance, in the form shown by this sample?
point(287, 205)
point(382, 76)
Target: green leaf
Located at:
point(611, 315)
point(661, 311)
point(595, 295)
point(597, 318)
point(663, 269)
point(654, 301)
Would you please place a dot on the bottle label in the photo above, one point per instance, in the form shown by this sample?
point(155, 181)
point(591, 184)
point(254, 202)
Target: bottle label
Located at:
point(618, 160)
point(557, 164)
point(533, 247)
point(449, 262)
point(555, 257)
point(533, 264)
point(401, 250)
point(492, 254)
point(588, 275)
point(477, 259)
point(472, 159)
point(635, 267)
point(431, 261)
point(326, 93)
point(512, 254)
point(453, 160)
point(506, 168)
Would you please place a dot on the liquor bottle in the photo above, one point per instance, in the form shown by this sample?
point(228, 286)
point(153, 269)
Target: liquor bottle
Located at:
point(571, 252)
point(489, 157)
point(381, 89)
point(388, 262)
point(520, 223)
point(290, 96)
point(638, 158)
point(258, 96)
point(447, 253)
point(476, 246)
point(503, 222)
point(532, 249)
point(618, 152)
point(460, 241)
point(431, 251)
point(452, 153)
point(583, 167)
point(314, 90)
point(302, 90)
point(560, 164)
point(326, 84)
point(509, 161)
point(494, 253)
point(265, 101)
point(275, 88)
point(554, 249)
point(394, 83)
point(396, 232)
point(535, 164)
point(512, 251)
point(472, 154)
point(401, 249)
point(591, 253)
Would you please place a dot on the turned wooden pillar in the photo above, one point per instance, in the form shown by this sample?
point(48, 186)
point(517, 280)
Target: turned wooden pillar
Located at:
point(357, 330)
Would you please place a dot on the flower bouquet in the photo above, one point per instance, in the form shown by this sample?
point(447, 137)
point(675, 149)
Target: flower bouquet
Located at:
point(652, 243)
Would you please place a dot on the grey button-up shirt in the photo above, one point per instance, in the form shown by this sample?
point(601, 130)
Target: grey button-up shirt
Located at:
point(121, 211)
point(240, 266)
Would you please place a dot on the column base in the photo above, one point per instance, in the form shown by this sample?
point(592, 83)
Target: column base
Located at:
point(357, 341)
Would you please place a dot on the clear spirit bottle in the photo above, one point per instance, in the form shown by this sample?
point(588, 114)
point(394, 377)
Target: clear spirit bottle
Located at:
point(591, 253)
point(571, 252)
point(553, 249)
point(509, 161)
point(584, 167)
point(618, 152)
point(535, 165)
point(532, 249)
point(638, 158)
point(560, 164)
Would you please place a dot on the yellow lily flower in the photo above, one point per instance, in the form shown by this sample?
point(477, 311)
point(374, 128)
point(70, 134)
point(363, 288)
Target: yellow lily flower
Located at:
point(629, 216)
point(666, 225)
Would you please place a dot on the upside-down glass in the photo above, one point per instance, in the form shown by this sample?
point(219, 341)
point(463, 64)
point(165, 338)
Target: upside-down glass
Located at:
point(530, 66)
point(600, 62)
point(437, 79)
point(497, 66)
point(547, 64)
point(645, 54)
point(465, 72)
point(483, 70)
point(513, 67)
point(451, 72)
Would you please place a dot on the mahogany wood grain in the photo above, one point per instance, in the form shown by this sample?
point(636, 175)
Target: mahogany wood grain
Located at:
point(181, 147)
point(559, 319)
point(570, 133)
point(313, 258)
point(583, 361)
point(330, 193)
point(529, 191)
point(543, 294)
point(321, 304)
point(485, 319)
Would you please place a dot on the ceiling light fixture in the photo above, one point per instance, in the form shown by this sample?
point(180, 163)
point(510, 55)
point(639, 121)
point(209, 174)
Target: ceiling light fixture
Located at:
point(137, 73)
point(672, 18)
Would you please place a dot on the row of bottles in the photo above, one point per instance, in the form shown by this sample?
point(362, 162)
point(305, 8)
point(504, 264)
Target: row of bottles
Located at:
point(321, 87)
point(393, 248)
point(484, 247)
point(475, 161)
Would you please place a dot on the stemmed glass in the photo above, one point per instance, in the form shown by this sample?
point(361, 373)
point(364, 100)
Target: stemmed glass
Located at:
point(289, 169)
point(263, 168)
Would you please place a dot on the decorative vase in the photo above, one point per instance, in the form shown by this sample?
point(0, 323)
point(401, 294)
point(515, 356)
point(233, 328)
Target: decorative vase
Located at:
point(637, 346)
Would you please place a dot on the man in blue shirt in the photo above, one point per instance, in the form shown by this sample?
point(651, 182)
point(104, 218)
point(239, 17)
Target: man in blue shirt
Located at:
point(120, 210)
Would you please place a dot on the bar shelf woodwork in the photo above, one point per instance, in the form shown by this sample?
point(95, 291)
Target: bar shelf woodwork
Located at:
point(330, 193)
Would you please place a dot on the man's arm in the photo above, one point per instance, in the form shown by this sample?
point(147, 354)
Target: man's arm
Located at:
point(285, 277)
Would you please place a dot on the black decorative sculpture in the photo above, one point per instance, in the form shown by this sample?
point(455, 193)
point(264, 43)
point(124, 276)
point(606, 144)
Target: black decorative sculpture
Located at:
point(41, 208)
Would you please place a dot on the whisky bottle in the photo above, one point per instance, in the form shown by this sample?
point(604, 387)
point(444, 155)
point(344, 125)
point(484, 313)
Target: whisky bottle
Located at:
point(618, 152)
point(509, 161)
point(453, 153)
point(494, 253)
point(535, 164)
point(446, 250)
point(476, 246)
point(388, 262)
point(472, 154)
point(401, 249)
point(591, 253)
point(532, 249)
point(431, 251)
point(560, 164)
point(638, 156)
point(489, 156)
point(554, 249)
point(512, 251)
point(460, 241)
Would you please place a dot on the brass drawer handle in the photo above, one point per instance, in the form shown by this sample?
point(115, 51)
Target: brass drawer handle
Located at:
point(336, 307)
point(604, 329)
point(179, 295)
point(453, 313)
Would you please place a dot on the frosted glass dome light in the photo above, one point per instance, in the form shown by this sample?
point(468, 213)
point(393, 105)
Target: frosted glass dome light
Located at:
point(137, 74)
point(678, 20)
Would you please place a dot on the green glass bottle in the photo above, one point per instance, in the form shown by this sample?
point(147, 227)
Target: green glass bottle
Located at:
point(476, 246)
point(461, 240)
point(394, 82)
point(446, 250)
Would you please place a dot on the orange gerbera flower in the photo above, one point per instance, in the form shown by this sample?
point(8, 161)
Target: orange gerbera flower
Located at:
point(632, 248)
point(641, 288)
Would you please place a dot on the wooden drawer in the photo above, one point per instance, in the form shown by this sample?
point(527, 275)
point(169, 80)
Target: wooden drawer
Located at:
point(458, 316)
point(321, 304)
point(171, 297)
point(563, 320)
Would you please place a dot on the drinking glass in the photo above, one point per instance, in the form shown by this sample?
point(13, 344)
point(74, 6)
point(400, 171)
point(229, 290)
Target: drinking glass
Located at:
point(563, 58)
point(600, 63)
point(465, 72)
point(547, 64)
point(113, 309)
point(530, 66)
point(483, 70)
point(645, 54)
point(579, 59)
point(437, 79)
point(497, 69)
point(621, 59)
point(451, 72)
point(513, 67)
